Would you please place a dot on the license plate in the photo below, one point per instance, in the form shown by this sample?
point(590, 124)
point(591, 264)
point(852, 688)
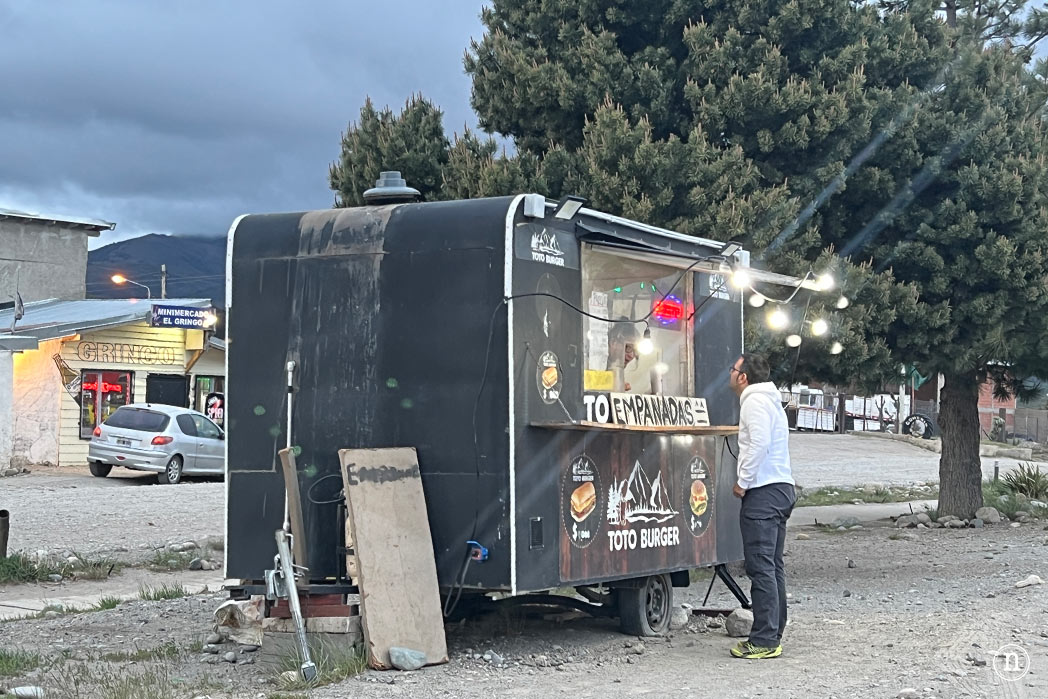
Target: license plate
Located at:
point(123, 442)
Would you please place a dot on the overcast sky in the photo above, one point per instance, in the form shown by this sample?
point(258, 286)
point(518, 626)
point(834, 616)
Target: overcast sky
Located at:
point(176, 117)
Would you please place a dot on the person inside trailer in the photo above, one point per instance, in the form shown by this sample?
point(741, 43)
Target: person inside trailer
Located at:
point(633, 371)
point(645, 304)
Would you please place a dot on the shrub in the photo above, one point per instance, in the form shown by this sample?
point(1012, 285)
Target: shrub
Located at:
point(1027, 480)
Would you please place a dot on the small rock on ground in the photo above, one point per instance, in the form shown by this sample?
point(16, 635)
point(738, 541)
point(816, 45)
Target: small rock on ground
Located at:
point(739, 623)
point(989, 515)
point(679, 618)
point(406, 659)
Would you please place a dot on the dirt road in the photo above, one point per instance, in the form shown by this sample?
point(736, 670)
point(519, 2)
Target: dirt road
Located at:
point(123, 515)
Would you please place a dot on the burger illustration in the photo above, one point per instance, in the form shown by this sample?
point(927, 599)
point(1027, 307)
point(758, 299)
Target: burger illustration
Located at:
point(583, 501)
point(699, 499)
point(550, 376)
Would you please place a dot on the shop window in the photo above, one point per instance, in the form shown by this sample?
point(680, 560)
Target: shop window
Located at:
point(208, 397)
point(622, 290)
point(101, 393)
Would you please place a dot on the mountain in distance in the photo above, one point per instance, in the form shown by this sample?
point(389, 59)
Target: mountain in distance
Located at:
point(196, 267)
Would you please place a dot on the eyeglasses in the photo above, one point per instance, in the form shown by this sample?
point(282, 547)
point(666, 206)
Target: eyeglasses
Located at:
point(731, 369)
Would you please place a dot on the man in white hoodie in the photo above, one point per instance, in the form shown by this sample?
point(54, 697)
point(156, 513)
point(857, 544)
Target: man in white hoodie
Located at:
point(765, 484)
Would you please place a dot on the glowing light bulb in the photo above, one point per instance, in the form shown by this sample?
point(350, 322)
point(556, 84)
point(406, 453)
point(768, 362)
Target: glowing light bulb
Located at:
point(843, 302)
point(740, 278)
point(118, 278)
point(825, 281)
point(819, 327)
point(646, 346)
point(777, 319)
point(793, 340)
point(757, 300)
point(837, 348)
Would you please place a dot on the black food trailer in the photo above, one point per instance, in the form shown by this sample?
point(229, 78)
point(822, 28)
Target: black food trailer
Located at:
point(562, 373)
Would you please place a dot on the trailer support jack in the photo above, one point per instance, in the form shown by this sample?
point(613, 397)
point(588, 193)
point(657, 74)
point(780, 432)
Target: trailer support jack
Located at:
point(721, 571)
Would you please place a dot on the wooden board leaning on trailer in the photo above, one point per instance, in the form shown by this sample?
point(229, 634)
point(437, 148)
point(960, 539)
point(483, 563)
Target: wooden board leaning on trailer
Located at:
point(399, 594)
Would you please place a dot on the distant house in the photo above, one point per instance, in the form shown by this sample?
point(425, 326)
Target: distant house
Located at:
point(991, 407)
point(44, 257)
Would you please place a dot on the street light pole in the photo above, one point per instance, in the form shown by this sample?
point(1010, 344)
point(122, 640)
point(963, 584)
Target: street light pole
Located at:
point(163, 281)
point(121, 279)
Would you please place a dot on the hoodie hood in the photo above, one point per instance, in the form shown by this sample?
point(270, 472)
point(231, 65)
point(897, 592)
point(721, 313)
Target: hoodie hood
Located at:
point(767, 388)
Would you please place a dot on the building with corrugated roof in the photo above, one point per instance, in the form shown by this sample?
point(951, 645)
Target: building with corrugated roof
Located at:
point(65, 365)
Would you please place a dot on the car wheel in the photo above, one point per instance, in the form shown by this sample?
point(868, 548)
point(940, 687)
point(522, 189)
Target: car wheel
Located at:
point(172, 474)
point(98, 469)
point(645, 610)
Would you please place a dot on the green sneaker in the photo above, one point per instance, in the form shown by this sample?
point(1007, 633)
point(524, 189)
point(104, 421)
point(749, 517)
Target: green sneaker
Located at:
point(748, 651)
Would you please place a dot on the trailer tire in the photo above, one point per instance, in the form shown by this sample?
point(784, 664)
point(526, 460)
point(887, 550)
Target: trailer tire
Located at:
point(645, 610)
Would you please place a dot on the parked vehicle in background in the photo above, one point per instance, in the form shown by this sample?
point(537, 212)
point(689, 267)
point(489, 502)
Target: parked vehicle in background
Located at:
point(165, 439)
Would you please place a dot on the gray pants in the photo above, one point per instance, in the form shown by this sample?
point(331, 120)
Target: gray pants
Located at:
point(763, 521)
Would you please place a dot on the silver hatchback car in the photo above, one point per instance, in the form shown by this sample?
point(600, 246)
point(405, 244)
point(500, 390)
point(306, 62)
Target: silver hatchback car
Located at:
point(164, 439)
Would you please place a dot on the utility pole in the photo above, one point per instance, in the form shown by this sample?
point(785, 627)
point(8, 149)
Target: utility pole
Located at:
point(902, 394)
point(163, 281)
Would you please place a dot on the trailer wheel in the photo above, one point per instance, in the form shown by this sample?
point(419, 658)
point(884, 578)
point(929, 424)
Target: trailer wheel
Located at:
point(645, 610)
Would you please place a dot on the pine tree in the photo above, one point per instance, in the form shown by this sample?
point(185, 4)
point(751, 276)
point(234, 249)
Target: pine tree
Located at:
point(412, 142)
point(875, 140)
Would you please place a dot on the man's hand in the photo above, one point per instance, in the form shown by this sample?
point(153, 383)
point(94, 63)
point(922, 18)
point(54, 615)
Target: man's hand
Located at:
point(737, 491)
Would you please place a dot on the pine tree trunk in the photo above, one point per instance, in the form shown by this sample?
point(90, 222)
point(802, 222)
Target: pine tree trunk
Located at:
point(950, 6)
point(960, 468)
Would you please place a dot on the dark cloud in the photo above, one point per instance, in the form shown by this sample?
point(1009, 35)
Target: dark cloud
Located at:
point(178, 116)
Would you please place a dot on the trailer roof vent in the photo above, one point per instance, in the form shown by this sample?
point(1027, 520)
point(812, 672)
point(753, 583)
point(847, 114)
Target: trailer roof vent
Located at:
point(390, 188)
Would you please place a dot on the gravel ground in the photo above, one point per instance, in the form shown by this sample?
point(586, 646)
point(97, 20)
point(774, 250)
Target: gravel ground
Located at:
point(907, 615)
point(122, 515)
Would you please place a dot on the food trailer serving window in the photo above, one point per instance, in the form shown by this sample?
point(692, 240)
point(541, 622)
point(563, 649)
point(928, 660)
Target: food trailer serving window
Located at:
point(622, 290)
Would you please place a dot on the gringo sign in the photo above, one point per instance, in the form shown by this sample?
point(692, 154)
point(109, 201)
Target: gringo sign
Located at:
point(115, 353)
point(180, 317)
point(645, 410)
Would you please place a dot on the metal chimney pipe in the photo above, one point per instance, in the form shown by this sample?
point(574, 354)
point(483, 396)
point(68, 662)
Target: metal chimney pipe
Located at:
point(390, 188)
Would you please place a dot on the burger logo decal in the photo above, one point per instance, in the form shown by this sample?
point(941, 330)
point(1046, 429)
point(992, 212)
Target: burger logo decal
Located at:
point(698, 489)
point(580, 492)
point(548, 378)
